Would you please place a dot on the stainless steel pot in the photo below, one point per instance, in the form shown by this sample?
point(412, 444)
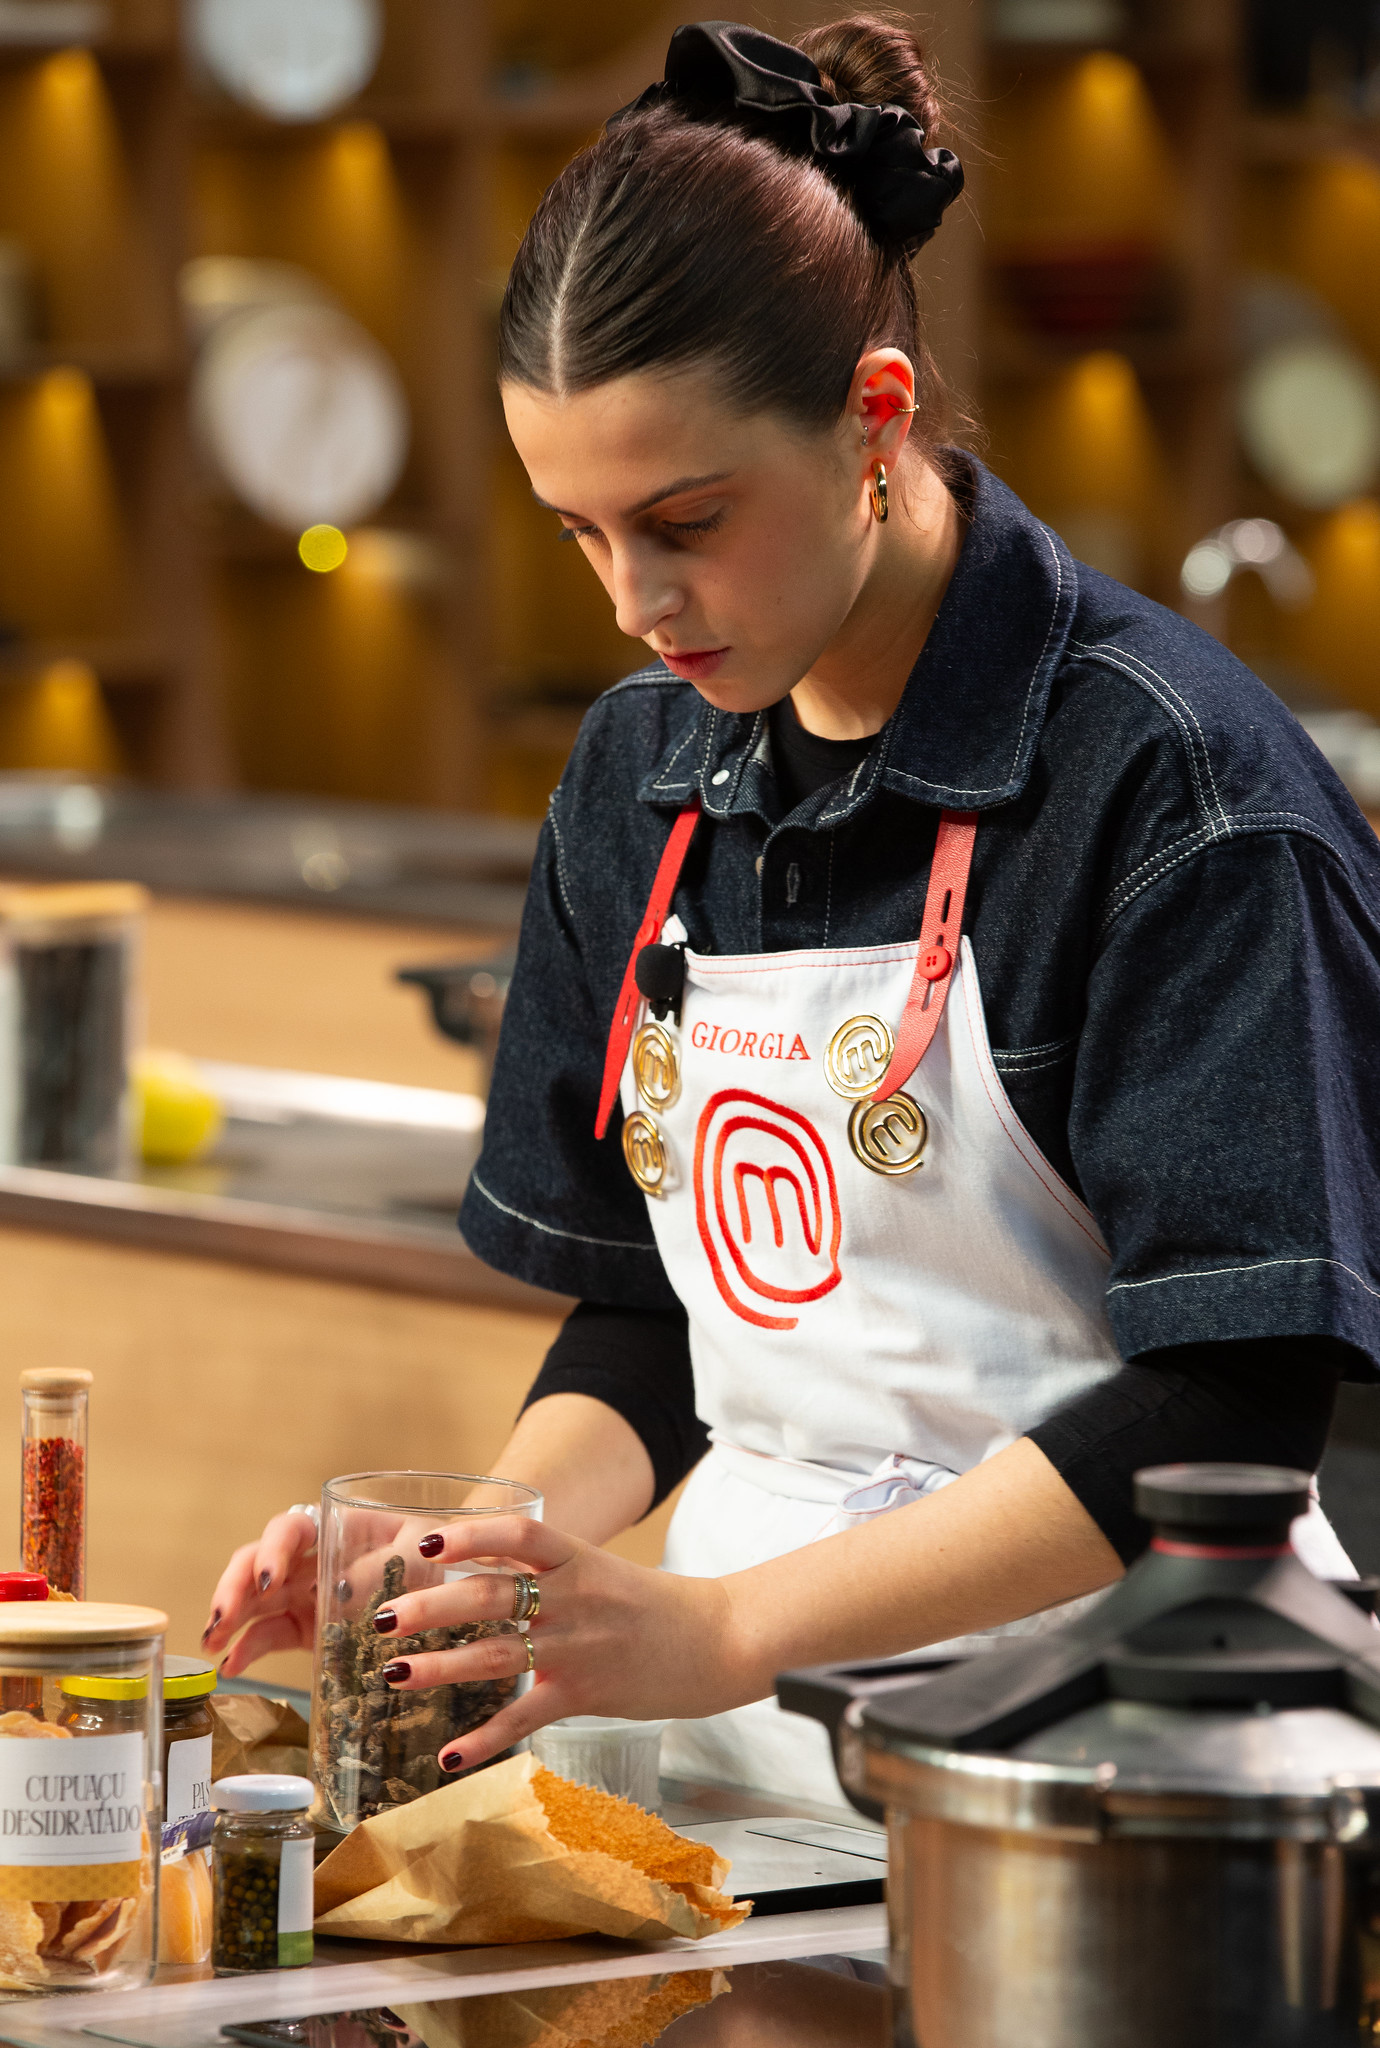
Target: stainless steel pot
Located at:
point(1160, 1825)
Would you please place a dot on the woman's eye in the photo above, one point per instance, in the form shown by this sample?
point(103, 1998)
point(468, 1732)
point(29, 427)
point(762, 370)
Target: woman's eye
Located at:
point(580, 533)
point(694, 529)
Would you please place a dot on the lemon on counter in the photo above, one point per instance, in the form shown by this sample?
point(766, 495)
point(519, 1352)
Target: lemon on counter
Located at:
point(177, 1115)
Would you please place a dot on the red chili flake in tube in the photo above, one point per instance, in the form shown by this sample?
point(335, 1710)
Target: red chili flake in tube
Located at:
point(55, 1511)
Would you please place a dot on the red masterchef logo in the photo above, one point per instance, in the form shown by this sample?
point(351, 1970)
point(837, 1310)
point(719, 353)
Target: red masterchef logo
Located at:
point(766, 1206)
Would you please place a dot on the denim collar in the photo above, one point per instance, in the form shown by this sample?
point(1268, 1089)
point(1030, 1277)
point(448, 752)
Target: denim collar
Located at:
point(965, 731)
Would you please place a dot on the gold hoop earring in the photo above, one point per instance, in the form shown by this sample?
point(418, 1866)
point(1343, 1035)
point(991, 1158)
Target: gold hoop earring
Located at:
point(876, 491)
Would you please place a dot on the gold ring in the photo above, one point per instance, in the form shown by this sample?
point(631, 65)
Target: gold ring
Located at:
point(531, 1653)
point(526, 1597)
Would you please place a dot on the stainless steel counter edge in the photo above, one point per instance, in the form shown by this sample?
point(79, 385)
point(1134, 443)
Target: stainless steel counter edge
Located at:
point(261, 1234)
point(190, 2015)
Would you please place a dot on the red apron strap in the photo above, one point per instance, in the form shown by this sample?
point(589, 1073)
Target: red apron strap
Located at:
point(937, 954)
point(629, 996)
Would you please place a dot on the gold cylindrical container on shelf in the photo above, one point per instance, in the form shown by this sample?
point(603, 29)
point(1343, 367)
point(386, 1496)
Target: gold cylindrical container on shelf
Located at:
point(80, 1795)
point(68, 981)
point(53, 1477)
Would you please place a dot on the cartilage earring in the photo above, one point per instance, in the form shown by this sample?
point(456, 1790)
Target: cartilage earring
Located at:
point(877, 493)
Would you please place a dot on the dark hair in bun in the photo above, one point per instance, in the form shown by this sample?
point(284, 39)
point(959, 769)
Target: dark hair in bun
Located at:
point(756, 213)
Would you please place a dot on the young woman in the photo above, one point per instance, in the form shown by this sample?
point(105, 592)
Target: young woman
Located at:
point(1001, 1112)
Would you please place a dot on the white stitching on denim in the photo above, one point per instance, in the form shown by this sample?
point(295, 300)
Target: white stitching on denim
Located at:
point(1017, 1071)
point(839, 809)
point(1168, 856)
point(1150, 881)
point(1259, 1266)
point(1240, 821)
point(829, 888)
point(964, 789)
point(561, 880)
point(1022, 1052)
point(1049, 629)
point(1106, 655)
point(651, 677)
point(661, 782)
point(1189, 713)
point(618, 1244)
point(1186, 839)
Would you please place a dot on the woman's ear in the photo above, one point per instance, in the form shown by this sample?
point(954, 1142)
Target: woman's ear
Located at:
point(881, 404)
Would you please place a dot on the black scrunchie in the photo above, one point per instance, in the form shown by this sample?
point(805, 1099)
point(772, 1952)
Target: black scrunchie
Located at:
point(878, 153)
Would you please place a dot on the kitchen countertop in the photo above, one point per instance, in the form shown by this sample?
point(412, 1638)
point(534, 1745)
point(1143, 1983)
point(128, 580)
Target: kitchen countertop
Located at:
point(187, 2009)
point(313, 1173)
point(374, 860)
point(355, 1976)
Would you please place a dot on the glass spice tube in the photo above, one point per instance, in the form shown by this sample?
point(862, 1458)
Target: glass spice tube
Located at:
point(53, 1525)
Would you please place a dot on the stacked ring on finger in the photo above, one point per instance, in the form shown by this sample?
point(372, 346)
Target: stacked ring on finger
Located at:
point(526, 1597)
point(531, 1653)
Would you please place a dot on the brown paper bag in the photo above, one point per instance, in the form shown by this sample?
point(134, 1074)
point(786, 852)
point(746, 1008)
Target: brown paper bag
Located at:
point(252, 1733)
point(515, 1853)
point(629, 2012)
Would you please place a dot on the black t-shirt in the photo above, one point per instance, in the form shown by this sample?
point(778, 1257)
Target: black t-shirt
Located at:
point(805, 763)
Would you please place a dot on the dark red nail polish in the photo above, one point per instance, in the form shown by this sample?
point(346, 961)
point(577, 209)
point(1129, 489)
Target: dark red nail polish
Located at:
point(265, 1581)
point(211, 1625)
point(395, 1672)
point(452, 1762)
point(432, 1546)
point(385, 1621)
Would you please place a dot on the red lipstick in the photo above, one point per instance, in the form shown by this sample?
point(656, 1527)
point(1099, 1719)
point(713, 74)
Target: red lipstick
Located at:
point(696, 667)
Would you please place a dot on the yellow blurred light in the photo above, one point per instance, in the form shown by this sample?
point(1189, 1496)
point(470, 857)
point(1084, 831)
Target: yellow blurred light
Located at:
point(359, 149)
point(1081, 154)
point(71, 80)
point(323, 548)
point(59, 720)
point(67, 399)
point(1332, 240)
point(1090, 440)
point(1338, 636)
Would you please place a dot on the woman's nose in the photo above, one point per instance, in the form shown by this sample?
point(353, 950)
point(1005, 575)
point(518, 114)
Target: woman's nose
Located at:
point(644, 597)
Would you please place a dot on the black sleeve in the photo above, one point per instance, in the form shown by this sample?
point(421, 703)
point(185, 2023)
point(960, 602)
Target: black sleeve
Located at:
point(1262, 1400)
point(637, 1362)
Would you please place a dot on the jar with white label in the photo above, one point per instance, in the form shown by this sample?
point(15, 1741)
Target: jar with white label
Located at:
point(263, 1865)
point(80, 1794)
point(188, 1683)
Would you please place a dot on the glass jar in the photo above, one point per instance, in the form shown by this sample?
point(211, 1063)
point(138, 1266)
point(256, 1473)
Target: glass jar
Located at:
point(78, 1829)
point(263, 1864)
point(373, 1748)
point(68, 963)
point(188, 1683)
point(53, 1476)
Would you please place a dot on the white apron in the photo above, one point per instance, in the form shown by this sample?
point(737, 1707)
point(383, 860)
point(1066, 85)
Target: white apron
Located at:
point(880, 1295)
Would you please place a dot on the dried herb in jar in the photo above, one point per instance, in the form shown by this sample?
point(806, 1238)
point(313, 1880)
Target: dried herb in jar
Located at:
point(55, 1511)
point(376, 1748)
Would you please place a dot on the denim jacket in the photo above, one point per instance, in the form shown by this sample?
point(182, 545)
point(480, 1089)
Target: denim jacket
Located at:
point(1174, 908)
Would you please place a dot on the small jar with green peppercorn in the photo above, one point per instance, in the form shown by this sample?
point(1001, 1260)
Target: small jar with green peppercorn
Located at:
point(263, 1861)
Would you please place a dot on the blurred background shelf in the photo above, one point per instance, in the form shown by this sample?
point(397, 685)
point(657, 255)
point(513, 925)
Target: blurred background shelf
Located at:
point(1137, 167)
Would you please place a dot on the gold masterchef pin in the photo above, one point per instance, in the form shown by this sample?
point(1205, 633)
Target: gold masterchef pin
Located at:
point(644, 1148)
point(858, 1056)
point(889, 1137)
point(656, 1069)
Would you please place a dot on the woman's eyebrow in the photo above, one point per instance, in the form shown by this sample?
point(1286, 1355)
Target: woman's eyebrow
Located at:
point(672, 490)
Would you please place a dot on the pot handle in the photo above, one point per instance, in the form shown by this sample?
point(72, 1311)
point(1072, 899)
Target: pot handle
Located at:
point(824, 1692)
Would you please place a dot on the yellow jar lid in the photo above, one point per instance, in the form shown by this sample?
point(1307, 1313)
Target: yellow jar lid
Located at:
point(82, 1688)
point(187, 1678)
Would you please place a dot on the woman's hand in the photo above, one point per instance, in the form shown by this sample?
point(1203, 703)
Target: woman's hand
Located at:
point(611, 1637)
point(268, 1589)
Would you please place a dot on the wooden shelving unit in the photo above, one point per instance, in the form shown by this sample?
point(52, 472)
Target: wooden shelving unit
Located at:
point(449, 661)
